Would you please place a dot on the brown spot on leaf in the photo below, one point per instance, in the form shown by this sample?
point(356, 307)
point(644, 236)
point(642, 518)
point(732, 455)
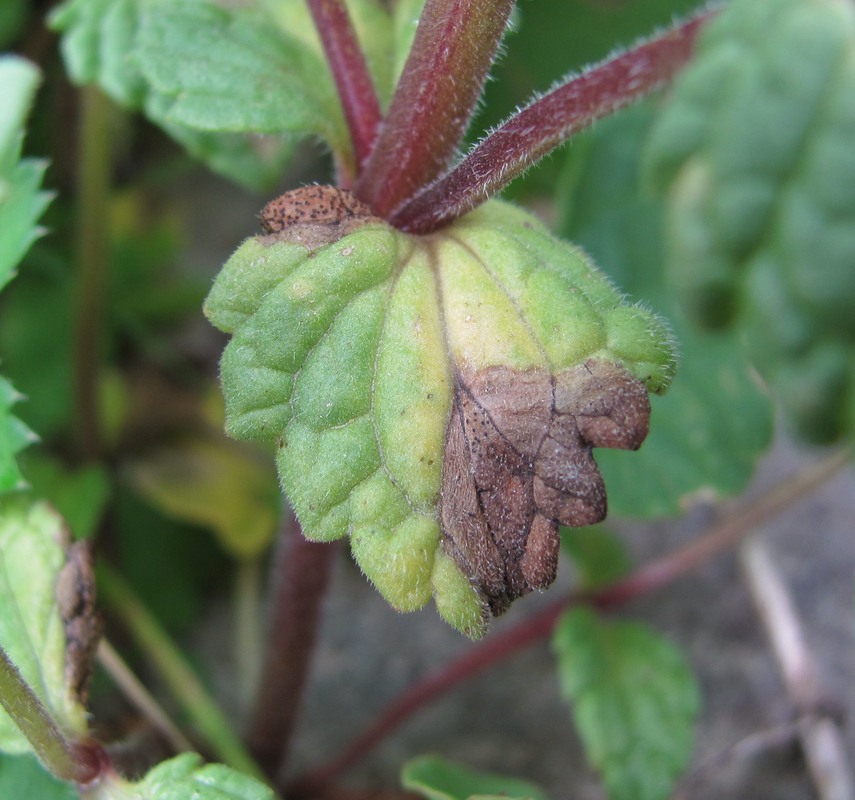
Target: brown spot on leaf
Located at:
point(75, 595)
point(315, 215)
point(518, 463)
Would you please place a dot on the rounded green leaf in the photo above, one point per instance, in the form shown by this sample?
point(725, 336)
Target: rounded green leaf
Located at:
point(356, 347)
point(634, 702)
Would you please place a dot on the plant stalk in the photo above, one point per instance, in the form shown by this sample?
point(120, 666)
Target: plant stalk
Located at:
point(822, 741)
point(140, 697)
point(248, 634)
point(94, 157)
point(303, 570)
point(80, 762)
point(720, 537)
point(546, 123)
point(452, 52)
point(175, 672)
point(350, 72)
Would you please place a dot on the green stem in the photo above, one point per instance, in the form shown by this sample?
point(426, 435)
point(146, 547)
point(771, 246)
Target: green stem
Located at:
point(248, 634)
point(68, 759)
point(94, 153)
point(176, 673)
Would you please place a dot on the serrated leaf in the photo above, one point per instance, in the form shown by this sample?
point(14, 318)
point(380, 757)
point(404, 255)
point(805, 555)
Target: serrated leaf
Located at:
point(353, 351)
point(21, 205)
point(185, 777)
point(21, 201)
point(437, 778)
point(715, 423)
point(23, 778)
point(99, 43)
point(32, 538)
point(755, 151)
point(218, 483)
point(14, 437)
point(634, 702)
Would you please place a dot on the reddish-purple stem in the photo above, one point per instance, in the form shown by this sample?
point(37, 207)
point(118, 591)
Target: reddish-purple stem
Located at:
point(350, 72)
point(303, 570)
point(544, 124)
point(657, 573)
point(452, 52)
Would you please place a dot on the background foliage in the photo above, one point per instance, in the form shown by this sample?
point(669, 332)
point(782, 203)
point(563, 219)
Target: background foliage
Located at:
point(183, 513)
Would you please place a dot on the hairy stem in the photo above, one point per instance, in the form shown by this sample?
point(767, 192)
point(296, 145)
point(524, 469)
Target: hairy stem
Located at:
point(546, 123)
point(451, 55)
point(719, 537)
point(91, 268)
point(303, 570)
point(68, 759)
point(350, 72)
point(175, 672)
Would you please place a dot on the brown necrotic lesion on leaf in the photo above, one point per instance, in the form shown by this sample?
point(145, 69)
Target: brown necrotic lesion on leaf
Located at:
point(81, 620)
point(315, 215)
point(518, 463)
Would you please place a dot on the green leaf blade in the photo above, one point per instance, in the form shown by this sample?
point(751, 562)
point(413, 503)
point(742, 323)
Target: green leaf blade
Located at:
point(437, 778)
point(185, 777)
point(349, 343)
point(634, 702)
point(100, 43)
point(23, 777)
point(231, 72)
point(31, 628)
point(21, 204)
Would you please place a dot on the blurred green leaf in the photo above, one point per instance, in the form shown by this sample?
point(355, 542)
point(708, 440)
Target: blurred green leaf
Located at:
point(599, 556)
point(372, 23)
point(548, 40)
point(21, 205)
point(755, 149)
point(23, 778)
point(79, 495)
point(186, 777)
point(38, 356)
point(13, 17)
point(230, 70)
point(99, 44)
point(437, 778)
point(714, 424)
point(31, 629)
point(172, 566)
point(21, 201)
point(634, 702)
point(14, 437)
point(222, 484)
